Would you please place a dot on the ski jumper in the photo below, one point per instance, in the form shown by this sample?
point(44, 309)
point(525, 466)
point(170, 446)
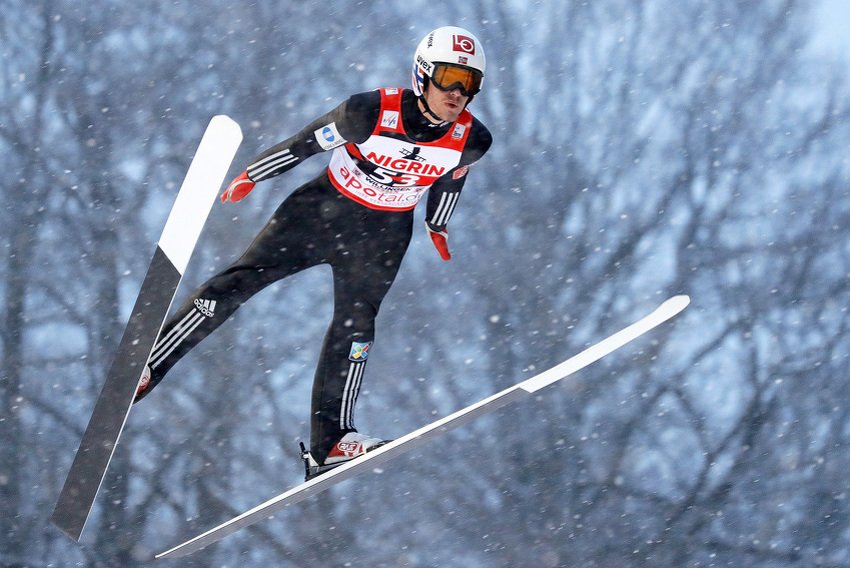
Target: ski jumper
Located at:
point(357, 217)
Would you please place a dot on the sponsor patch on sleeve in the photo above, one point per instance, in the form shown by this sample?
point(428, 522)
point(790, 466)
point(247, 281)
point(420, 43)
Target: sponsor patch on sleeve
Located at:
point(460, 172)
point(328, 137)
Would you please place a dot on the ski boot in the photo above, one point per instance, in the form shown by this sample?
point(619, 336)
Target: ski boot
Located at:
point(352, 445)
point(144, 383)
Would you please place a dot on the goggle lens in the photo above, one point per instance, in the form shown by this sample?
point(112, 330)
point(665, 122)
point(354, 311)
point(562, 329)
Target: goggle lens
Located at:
point(447, 77)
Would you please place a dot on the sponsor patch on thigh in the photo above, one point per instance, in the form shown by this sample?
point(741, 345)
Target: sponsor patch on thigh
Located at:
point(359, 351)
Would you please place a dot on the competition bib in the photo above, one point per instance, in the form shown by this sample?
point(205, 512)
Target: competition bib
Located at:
point(389, 171)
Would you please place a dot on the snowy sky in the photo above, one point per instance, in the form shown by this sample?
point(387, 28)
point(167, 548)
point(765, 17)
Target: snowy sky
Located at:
point(833, 21)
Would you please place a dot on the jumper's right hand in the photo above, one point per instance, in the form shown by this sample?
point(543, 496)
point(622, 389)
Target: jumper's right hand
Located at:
point(238, 188)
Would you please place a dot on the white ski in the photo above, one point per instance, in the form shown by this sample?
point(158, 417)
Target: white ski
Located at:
point(406, 443)
point(182, 229)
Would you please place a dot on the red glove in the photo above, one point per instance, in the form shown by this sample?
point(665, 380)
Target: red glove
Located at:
point(238, 188)
point(440, 240)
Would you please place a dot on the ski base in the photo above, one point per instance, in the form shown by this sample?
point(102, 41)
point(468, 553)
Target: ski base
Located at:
point(112, 406)
point(182, 229)
point(418, 437)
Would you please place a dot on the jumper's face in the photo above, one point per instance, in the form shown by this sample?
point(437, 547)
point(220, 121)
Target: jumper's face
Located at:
point(446, 104)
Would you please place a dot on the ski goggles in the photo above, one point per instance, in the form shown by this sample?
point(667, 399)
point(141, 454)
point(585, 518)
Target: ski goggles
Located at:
point(447, 77)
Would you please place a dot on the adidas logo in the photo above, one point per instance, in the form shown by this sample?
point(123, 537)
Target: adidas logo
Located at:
point(206, 307)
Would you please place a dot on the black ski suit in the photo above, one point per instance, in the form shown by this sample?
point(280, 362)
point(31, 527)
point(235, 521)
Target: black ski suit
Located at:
point(319, 224)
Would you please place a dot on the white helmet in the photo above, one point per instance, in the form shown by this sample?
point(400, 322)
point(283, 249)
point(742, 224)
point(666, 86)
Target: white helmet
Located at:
point(449, 57)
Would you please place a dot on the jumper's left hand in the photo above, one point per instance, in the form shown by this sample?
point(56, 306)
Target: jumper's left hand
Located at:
point(440, 240)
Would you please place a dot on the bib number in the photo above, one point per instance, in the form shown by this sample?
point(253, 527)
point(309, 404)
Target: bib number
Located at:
point(394, 178)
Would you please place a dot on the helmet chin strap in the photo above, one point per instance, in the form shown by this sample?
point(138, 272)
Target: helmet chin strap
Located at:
point(427, 110)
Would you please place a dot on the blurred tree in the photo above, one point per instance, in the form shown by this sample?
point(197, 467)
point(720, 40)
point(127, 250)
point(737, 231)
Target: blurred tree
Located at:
point(642, 149)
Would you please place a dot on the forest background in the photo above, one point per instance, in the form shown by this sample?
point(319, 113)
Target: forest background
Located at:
point(643, 148)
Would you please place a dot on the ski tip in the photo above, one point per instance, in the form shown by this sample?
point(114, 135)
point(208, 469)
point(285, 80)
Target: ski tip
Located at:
point(676, 304)
point(224, 122)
